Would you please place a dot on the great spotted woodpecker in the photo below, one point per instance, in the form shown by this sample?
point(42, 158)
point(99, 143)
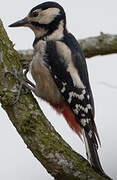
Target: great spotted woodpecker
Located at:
point(60, 72)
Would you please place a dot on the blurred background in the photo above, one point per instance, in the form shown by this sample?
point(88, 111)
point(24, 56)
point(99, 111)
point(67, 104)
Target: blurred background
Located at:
point(84, 19)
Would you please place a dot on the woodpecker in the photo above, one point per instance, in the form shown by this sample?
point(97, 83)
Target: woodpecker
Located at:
point(60, 73)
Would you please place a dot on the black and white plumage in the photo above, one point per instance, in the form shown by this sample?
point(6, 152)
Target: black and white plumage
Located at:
point(60, 72)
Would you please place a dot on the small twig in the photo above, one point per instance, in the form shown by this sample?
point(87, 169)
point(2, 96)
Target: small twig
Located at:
point(109, 85)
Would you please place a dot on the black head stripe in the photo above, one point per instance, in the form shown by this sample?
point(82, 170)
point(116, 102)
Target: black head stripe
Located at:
point(37, 24)
point(47, 5)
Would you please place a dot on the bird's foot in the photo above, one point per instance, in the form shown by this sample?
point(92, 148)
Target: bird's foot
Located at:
point(23, 82)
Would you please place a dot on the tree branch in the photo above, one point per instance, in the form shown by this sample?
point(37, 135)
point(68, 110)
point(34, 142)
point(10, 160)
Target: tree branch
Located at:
point(40, 137)
point(104, 44)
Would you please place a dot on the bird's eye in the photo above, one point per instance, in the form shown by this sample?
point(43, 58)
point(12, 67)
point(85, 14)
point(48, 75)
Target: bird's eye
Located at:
point(35, 14)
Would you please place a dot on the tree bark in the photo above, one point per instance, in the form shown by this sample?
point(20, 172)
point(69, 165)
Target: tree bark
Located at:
point(38, 134)
point(104, 44)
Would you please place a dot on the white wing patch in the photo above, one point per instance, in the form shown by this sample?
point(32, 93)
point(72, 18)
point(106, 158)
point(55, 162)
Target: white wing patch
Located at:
point(74, 94)
point(74, 74)
point(76, 110)
point(79, 107)
point(90, 133)
point(84, 122)
point(65, 52)
point(64, 88)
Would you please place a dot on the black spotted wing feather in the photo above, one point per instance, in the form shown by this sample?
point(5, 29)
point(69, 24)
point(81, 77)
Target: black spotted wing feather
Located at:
point(79, 99)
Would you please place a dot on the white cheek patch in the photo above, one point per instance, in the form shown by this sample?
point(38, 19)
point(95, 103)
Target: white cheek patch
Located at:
point(48, 15)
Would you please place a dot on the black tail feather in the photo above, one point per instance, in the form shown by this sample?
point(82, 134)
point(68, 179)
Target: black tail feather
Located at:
point(91, 150)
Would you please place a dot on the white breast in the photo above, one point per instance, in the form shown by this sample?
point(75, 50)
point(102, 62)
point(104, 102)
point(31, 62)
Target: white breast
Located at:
point(45, 85)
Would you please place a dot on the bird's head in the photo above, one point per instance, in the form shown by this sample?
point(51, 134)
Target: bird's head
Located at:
point(46, 20)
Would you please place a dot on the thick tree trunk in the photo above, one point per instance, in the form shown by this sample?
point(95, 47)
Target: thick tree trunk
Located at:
point(38, 134)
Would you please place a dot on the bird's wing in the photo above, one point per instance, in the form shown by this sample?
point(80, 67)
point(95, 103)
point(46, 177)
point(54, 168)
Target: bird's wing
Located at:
point(66, 76)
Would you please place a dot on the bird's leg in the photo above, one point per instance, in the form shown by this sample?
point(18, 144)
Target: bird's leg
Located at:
point(23, 82)
point(27, 80)
point(27, 83)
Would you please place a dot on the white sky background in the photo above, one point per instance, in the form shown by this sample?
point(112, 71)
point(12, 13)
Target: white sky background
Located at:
point(84, 19)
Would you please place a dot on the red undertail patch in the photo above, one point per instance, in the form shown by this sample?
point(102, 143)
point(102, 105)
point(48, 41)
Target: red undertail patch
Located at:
point(69, 116)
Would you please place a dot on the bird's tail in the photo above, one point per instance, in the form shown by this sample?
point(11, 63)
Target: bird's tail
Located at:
point(91, 151)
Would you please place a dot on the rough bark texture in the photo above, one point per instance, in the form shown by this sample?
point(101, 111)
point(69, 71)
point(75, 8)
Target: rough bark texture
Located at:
point(104, 44)
point(101, 45)
point(40, 137)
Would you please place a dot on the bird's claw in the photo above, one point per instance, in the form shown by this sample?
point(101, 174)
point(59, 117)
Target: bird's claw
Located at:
point(23, 82)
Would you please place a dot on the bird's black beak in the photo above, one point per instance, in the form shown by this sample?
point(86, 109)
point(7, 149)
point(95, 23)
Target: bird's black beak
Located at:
point(20, 23)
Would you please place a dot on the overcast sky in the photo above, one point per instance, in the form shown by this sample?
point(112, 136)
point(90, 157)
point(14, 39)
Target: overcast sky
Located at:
point(84, 19)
